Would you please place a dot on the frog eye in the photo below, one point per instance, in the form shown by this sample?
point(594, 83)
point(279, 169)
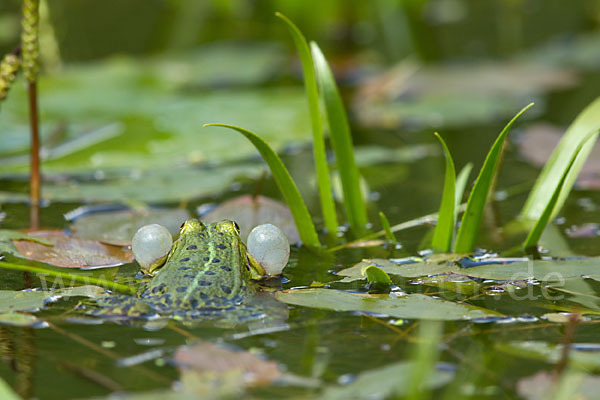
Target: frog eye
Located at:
point(237, 227)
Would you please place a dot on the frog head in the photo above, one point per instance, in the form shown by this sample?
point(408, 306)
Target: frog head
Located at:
point(227, 227)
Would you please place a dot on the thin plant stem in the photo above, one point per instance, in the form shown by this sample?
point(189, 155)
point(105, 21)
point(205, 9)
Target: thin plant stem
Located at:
point(31, 65)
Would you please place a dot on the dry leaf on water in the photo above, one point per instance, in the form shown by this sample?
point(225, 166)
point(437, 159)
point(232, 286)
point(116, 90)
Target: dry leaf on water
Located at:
point(69, 252)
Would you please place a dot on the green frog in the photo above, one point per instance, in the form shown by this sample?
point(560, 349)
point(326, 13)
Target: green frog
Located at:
point(207, 274)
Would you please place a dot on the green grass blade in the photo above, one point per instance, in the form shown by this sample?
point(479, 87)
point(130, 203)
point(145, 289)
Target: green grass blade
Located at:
point(319, 154)
point(444, 230)
point(285, 183)
point(425, 355)
point(86, 280)
point(587, 121)
point(385, 224)
point(461, 184)
point(471, 220)
point(537, 230)
point(341, 140)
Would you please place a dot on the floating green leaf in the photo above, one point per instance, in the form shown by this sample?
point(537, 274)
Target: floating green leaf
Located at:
point(319, 154)
point(341, 140)
point(412, 306)
point(536, 232)
point(587, 121)
point(541, 270)
point(471, 220)
point(306, 228)
point(376, 275)
point(408, 270)
point(444, 230)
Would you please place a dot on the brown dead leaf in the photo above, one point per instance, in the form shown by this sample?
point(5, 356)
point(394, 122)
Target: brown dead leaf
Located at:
point(218, 362)
point(69, 252)
point(249, 212)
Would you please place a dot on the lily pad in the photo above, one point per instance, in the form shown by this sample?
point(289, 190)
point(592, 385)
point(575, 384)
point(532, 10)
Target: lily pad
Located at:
point(118, 227)
point(390, 381)
point(69, 252)
point(6, 392)
point(544, 271)
point(33, 300)
point(412, 306)
point(250, 211)
point(407, 270)
point(6, 241)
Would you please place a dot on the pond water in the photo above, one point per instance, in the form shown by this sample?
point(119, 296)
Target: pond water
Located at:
point(140, 122)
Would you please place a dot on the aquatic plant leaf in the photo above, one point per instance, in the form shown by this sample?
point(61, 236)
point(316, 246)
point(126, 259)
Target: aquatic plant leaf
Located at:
point(461, 184)
point(412, 306)
point(6, 392)
point(541, 270)
point(444, 230)
point(249, 211)
point(33, 300)
point(407, 270)
point(385, 224)
point(341, 141)
point(319, 152)
point(579, 354)
point(118, 227)
point(471, 220)
point(70, 252)
point(376, 275)
point(425, 354)
point(536, 232)
point(17, 319)
point(6, 241)
point(392, 380)
point(586, 122)
point(286, 185)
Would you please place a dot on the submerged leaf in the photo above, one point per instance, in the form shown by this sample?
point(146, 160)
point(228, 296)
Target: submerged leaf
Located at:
point(250, 211)
point(71, 252)
point(412, 306)
point(385, 382)
point(583, 355)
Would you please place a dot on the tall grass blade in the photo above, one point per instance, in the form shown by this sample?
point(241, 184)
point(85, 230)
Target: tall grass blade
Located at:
point(341, 140)
point(285, 183)
point(471, 220)
point(319, 154)
point(461, 184)
point(587, 121)
point(540, 225)
point(385, 224)
point(444, 230)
